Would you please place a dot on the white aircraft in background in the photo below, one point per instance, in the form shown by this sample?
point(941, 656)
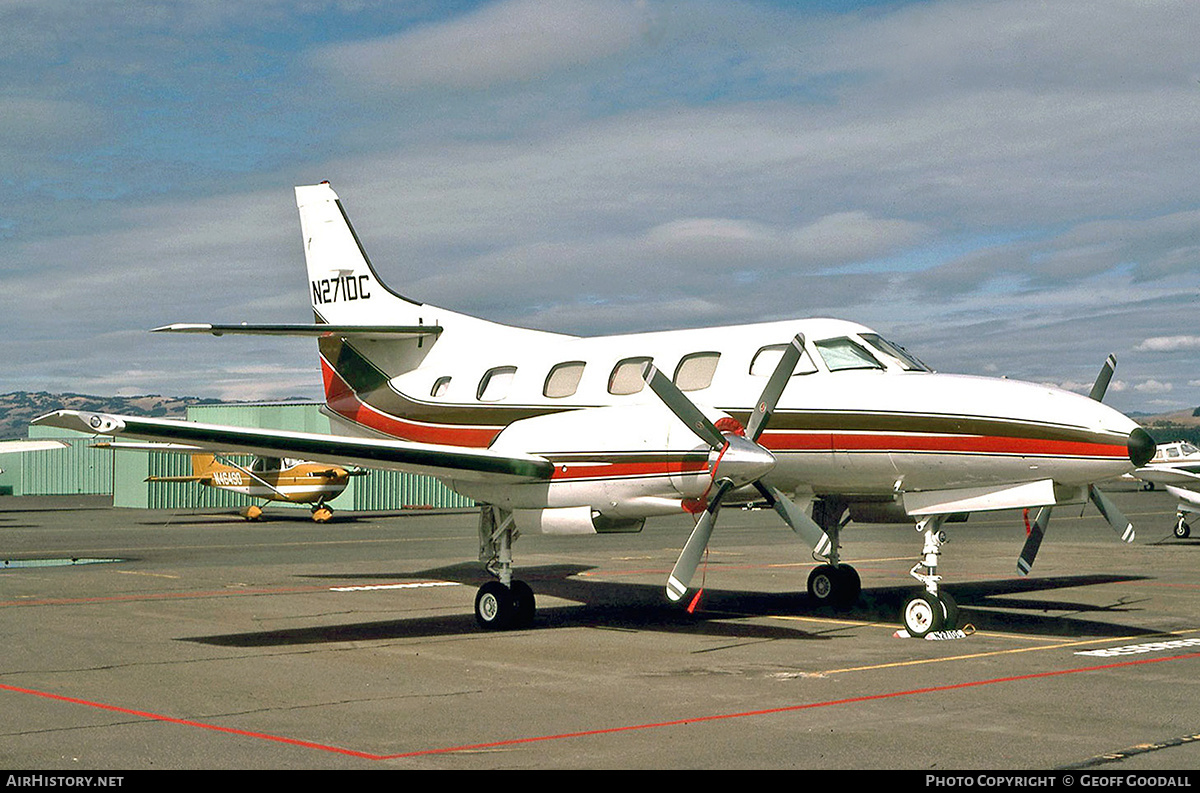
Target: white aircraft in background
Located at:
point(822, 419)
point(1176, 466)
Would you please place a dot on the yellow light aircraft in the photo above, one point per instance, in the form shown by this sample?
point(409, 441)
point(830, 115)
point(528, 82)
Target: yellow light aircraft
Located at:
point(824, 420)
point(271, 479)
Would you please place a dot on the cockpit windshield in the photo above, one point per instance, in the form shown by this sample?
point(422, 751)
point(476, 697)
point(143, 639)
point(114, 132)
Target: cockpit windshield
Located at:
point(845, 353)
point(907, 360)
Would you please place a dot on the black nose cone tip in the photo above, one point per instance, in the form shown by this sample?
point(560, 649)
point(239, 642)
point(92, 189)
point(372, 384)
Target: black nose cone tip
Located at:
point(1141, 447)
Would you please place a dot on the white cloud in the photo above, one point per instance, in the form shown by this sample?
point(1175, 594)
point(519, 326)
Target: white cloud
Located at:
point(1170, 343)
point(501, 42)
point(1153, 387)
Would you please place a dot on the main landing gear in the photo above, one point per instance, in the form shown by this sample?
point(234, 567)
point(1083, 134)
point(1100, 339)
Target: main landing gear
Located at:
point(1182, 529)
point(833, 583)
point(504, 603)
point(931, 610)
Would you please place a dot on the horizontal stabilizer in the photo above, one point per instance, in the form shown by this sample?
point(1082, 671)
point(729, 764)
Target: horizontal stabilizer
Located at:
point(442, 461)
point(310, 331)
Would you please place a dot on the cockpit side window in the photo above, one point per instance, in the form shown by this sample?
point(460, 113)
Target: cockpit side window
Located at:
point(767, 358)
point(844, 353)
point(907, 360)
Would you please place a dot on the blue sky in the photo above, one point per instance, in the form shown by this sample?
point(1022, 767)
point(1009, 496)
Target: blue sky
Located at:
point(1007, 188)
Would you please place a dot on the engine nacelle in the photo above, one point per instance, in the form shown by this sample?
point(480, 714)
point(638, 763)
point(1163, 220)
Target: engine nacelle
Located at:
point(574, 520)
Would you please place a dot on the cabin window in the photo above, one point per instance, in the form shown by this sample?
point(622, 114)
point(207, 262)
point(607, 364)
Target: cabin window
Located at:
point(907, 360)
point(767, 358)
point(440, 386)
point(844, 353)
point(563, 380)
point(626, 377)
point(494, 384)
point(695, 371)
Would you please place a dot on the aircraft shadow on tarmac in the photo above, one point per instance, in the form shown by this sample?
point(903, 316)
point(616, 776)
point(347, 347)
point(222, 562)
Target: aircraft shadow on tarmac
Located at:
point(995, 605)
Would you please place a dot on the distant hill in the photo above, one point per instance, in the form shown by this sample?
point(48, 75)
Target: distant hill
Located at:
point(1180, 425)
point(18, 408)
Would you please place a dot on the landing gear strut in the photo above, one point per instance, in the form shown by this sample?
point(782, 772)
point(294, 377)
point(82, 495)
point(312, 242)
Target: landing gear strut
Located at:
point(504, 603)
point(931, 610)
point(833, 583)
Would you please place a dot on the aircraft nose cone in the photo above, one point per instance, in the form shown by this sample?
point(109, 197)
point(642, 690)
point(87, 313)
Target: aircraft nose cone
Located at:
point(1141, 447)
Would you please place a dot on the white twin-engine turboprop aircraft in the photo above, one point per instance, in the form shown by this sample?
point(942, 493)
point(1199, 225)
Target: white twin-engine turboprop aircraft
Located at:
point(824, 420)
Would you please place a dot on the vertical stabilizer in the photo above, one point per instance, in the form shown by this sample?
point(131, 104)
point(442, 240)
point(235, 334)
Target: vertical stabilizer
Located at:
point(203, 464)
point(345, 289)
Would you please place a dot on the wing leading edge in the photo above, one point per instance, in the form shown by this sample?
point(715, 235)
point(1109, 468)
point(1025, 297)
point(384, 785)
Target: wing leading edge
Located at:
point(441, 461)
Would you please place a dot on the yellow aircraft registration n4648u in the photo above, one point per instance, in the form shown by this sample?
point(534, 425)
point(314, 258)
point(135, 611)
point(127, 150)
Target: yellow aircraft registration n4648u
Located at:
point(824, 420)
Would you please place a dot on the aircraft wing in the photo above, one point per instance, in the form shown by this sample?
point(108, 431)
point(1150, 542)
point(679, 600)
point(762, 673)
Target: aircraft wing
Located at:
point(1170, 475)
point(423, 458)
point(13, 447)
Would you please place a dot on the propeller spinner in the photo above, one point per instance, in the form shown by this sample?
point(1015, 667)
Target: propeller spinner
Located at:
point(741, 461)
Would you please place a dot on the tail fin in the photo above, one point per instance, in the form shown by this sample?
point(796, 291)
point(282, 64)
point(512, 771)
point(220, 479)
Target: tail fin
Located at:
point(203, 464)
point(345, 288)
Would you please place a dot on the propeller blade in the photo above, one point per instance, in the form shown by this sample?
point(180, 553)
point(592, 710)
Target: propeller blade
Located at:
point(774, 388)
point(682, 407)
point(1120, 524)
point(1102, 379)
point(798, 519)
point(1036, 533)
point(689, 559)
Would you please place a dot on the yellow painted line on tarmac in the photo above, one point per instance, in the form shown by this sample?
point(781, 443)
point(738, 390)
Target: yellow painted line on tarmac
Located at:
point(1055, 645)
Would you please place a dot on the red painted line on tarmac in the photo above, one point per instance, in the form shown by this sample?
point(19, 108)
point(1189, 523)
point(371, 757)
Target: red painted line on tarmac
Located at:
point(588, 733)
point(787, 708)
point(262, 736)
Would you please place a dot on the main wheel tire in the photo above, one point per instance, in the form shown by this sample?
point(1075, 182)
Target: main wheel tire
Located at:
point(494, 607)
point(322, 514)
point(949, 611)
point(524, 604)
point(1182, 530)
point(838, 587)
point(823, 584)
point(922, 614)
point(851, 586)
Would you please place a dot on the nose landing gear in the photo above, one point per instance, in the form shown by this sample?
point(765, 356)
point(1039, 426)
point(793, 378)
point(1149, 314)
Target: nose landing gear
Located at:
point(931, 610)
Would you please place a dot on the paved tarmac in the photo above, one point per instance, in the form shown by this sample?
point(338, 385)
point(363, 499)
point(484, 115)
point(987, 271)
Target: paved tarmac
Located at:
point(180, 641)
